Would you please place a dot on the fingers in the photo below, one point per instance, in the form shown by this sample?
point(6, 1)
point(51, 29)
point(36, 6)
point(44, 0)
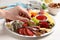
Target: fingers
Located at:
point(2, 13)
point(12, 14)
point(25, 12)
point(27, 15)
point(24, 15)
point(22, 18)
point(8, 15)
point(13, 10)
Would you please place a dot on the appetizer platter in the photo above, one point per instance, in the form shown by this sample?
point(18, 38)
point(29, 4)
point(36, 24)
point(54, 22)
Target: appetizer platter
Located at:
point(41, 24)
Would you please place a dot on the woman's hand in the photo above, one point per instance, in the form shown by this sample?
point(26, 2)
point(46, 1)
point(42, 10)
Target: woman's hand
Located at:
point(16, 13)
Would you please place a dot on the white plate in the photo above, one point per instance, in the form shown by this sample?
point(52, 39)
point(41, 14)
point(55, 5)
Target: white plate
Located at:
point(43, 35)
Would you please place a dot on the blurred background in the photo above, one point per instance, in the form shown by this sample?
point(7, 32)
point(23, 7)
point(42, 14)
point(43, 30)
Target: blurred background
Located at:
point(4, 2)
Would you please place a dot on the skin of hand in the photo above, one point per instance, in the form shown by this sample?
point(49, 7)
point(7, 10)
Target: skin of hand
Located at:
point(16, 13)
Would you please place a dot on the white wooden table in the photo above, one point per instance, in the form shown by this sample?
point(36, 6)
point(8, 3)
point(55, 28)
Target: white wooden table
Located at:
point(54, 36)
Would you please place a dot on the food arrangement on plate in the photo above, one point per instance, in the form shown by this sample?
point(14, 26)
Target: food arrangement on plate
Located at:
point(41, 23)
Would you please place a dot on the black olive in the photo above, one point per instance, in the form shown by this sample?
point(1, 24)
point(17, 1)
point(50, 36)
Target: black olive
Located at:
point(43, 31)
point(39, 30)
point(48, 21)
point(52, 24)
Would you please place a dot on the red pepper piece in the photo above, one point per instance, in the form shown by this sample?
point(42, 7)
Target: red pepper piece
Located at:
point(24, 30)
point(29, 32)
point(21, 31)
point(25, 25)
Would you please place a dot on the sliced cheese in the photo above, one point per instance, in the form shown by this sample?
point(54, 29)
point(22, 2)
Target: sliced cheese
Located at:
point(49, 17)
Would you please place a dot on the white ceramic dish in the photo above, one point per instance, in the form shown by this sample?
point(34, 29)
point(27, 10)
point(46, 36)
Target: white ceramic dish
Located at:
point(16, 34)
point(54, 8)
point(53, 11)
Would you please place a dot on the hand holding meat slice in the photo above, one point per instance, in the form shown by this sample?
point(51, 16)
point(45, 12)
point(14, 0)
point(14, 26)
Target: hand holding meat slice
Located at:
point(16, 13)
